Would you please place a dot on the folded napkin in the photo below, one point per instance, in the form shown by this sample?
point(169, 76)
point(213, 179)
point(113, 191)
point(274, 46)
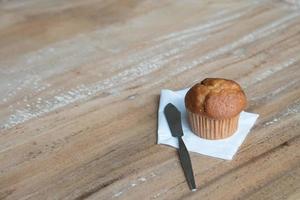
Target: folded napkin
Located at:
point(223, 148)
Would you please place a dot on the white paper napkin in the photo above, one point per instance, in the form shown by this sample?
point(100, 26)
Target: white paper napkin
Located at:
point(224, 148)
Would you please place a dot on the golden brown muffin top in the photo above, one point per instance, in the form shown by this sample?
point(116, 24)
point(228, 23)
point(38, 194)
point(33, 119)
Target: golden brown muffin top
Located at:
point(216, 98)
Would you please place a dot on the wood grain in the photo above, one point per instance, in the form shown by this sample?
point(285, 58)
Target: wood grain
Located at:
point(79, 92)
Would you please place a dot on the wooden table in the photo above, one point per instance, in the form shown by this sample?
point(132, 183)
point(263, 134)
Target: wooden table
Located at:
point(79, 92)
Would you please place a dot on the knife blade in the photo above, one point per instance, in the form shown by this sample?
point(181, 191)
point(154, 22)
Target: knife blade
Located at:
point(173, 117)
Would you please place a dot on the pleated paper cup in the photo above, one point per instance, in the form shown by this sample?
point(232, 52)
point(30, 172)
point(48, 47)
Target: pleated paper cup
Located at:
point(212, 129)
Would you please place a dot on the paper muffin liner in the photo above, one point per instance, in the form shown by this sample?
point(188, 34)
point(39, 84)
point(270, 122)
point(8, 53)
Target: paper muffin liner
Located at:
point(212, 129)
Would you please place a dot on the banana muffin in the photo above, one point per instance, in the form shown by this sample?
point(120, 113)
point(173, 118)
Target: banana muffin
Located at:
point(214, 106)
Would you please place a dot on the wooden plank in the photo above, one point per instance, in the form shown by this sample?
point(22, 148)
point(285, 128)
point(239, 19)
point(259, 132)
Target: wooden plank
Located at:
point(79, 92)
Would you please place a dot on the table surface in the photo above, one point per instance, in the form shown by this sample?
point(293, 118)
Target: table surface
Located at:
point(79, 92)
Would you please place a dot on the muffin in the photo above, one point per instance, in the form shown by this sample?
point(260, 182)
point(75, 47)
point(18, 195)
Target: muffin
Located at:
point(214, 106)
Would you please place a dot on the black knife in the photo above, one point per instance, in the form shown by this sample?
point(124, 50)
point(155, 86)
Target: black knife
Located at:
point(173, 117)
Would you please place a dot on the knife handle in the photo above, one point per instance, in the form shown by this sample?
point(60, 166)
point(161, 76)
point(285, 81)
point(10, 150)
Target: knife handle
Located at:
point(186, 164)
